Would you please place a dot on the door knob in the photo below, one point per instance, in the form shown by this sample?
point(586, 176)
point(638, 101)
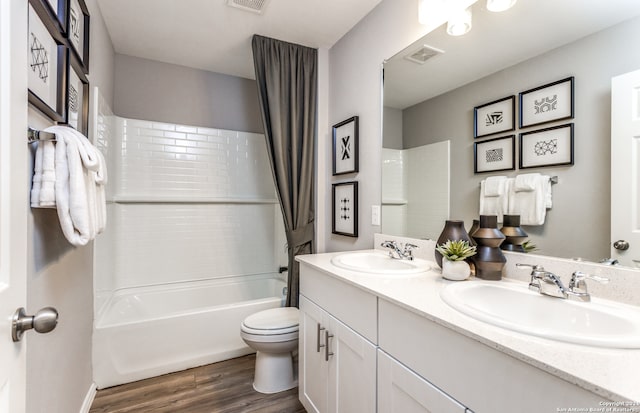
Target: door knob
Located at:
point(621, 245)
point(43, 321)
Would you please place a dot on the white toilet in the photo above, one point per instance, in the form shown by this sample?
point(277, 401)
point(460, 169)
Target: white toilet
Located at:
point(274, 335)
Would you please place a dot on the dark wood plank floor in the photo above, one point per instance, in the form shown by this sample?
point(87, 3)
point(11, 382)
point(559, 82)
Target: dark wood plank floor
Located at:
point(224, 387)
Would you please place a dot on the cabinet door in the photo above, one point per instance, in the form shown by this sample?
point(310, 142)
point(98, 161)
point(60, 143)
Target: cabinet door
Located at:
point(401, 390)
point(312, 367)
point(352, 371)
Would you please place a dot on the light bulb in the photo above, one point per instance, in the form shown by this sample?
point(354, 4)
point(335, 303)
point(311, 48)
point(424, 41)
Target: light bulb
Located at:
point(459, 22)
point(500, 5)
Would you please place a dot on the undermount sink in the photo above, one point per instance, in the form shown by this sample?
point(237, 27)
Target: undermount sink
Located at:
point(374, 262)
point(513, 306)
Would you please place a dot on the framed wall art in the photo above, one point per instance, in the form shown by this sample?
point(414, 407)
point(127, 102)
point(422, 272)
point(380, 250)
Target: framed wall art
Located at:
point(345, 208)
point(495, 154)
point(345, 146)
point(77, 97)
point(494, 117)
point(47, 67)
point(78, 31)
point(547, 103)
point(547, 147)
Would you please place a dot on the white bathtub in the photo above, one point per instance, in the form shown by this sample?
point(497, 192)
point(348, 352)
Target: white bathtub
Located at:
point(148, 331)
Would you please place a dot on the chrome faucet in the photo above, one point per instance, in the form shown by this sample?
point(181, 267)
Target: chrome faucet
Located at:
point(401, 252)
point(548, 283)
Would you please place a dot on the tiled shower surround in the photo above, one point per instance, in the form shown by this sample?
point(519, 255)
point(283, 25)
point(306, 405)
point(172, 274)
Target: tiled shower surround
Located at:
point(188, 203)
point(415, 190)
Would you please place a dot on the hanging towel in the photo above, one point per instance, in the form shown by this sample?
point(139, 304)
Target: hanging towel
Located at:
point(70, 175)
point(493, 196)
point(528, 197)
point(44, 176)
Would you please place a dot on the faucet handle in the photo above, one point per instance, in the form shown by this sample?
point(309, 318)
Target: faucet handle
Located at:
point(409, 247)
point(578, 286)
point(578, 278)
point(533, 267)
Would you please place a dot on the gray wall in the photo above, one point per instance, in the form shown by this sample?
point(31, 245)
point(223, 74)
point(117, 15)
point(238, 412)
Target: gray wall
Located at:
point(581, 208)
point(355, 88)
point(59, 371)
point(151, 90)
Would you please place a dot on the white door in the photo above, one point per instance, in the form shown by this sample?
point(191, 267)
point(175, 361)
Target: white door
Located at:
point(625, 168)
point(14, 190)
point(312, 367)
point(352, 371)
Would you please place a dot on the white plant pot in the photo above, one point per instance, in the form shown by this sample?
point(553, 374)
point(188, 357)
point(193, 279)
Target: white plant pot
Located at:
point(455, 270)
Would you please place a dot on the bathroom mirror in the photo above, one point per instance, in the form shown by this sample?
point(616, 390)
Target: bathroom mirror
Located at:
point(432, 86)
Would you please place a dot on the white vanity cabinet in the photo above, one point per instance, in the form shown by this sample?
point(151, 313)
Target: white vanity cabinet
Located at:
point(337, 364)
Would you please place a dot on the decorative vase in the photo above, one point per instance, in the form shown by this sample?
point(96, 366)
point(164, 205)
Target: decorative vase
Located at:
point(455, 270)
point(515, 235)
point(474, 227)
point(489, 260)
point(454, 231)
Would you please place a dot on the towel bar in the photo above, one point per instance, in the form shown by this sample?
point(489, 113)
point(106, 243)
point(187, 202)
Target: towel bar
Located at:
point(34, 135)
point(553, 179)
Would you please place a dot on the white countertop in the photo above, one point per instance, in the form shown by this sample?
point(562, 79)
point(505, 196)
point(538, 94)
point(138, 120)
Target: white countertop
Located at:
point(613, 374)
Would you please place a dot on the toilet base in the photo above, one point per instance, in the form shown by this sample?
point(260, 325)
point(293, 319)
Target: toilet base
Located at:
point(274, 373)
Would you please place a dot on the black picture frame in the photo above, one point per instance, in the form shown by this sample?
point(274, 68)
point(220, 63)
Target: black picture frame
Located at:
point(57, 10)
point(547, 147)
point(495, 117)
point(77, 107)
point(497, 154)
point(345, 146)
point(77, 31)
point(46, 92)
point(552, 102)
point(344, 201)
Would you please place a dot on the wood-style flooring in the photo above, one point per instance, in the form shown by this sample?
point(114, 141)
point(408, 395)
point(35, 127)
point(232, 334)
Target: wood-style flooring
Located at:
point(224, 387)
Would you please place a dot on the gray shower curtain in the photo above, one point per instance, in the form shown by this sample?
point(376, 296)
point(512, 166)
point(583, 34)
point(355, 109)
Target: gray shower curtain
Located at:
point(286, 75)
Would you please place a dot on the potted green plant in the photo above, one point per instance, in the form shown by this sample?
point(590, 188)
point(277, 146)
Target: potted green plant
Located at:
point(454, 254)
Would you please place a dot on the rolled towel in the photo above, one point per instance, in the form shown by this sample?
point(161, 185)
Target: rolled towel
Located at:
point(526, 182)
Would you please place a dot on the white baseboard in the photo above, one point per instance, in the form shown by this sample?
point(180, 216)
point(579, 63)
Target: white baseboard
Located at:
point(88, 400)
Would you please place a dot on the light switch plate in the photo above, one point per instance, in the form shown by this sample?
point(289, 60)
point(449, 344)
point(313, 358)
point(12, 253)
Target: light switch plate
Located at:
point(375, 215)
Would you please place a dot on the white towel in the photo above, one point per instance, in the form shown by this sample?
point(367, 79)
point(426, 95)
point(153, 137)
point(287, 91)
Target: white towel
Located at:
point(494, 185)
point(531, 205)
point(79, 172)
point(493, 196)
point(44, 177)
point(526, 182)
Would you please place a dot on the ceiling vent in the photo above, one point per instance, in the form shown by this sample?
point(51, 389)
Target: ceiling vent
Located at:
point(423, 54)
point(254, 6)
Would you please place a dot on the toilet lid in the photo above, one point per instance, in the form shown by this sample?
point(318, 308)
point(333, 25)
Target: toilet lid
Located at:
point(274, 319)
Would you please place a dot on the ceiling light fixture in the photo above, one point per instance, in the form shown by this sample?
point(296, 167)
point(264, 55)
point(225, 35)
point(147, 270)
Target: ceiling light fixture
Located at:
point(433, 12)
point(460, 22)
point(500, 5)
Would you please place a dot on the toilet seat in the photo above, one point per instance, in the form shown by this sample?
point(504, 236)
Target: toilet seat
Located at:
point(272, 322)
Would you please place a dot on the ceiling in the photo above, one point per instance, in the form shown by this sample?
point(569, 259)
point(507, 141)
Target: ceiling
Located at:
point(496, 41)
point(210, 35)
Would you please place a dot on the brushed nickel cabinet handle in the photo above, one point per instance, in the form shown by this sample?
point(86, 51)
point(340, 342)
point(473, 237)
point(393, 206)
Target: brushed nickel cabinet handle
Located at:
point(318, 345)
point(327, 353)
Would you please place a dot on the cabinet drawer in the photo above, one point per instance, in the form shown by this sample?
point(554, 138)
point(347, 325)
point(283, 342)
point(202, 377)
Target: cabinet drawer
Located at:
point(354, 307)
point(401, 390)
point(485, 379)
